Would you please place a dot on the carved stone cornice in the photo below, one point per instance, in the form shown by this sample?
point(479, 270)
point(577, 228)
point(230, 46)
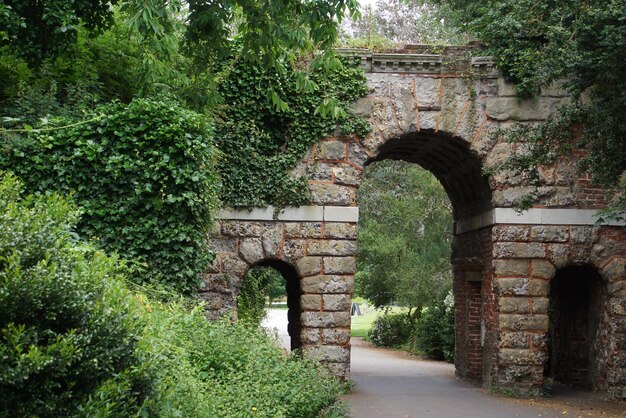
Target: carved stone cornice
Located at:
point(449, 62)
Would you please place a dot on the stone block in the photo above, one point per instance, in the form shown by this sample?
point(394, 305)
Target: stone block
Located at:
point(514, 339)
point(303, 230)
point(329, 353)
point(511, 268)
point(559, 255)
point(309, 302)
point(294, 249)
point(320, 171)
point(522, 356)
point(347, 175)
point(339, 265)
point(223, 245)
point(337, 302)
point(549, 233)
point(311, 336)
point(251, 250)
point(232, 264)
point(327, 284)
point(357, 154)
point(519, 250)
point(615, 270)
point(514, 305)
point(542, 269)
point(341, 370)
point(513, 286)
point(341, 214)
point(511, 233)
point(336, 336)
point(332, 247)
point(241, 228)
point(617, 306)
point(332, 194)
point(538, 287)
point(581, 234)
point(309, 266)
point(330, 150)
point(521, 109)
point(523, 322)
point(340, 230)
point(540, 305)
point(539, 341)
point(325, 319)
point(272, 241)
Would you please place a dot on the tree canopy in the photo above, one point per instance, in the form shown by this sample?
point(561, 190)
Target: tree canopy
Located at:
point(404, 236)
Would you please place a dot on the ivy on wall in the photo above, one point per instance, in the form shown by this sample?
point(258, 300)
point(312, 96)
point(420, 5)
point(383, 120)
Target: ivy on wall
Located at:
point(263, 140)
point(143, 176)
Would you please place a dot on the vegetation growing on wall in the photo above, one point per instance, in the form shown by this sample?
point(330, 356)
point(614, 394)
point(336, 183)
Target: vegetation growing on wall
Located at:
point(541, 42)
point(143, 175)
point(262, 140)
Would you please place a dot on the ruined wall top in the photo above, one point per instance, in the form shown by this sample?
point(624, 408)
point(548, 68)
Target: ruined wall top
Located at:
point(424, 59)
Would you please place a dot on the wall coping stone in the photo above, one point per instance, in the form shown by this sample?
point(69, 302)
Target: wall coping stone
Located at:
point(294, 214)
point(533, 216)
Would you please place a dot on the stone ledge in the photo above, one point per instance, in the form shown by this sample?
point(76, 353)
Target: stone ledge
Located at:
point(549, 216)
point(293, 214)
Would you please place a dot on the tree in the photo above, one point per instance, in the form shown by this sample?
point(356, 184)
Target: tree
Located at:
point(404, 236)
point(402, 21)
point(540, 42)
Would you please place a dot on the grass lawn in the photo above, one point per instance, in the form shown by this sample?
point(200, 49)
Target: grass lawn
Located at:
point(362, 324)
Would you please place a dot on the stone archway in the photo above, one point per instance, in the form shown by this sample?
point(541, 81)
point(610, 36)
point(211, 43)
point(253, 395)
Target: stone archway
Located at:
point(439, 111)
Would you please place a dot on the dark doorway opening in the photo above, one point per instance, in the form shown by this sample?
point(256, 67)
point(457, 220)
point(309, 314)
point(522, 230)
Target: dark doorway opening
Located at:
point(294, 292)
point(576, 295)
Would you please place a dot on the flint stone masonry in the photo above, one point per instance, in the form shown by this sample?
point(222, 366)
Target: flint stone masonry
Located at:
point(423, 108)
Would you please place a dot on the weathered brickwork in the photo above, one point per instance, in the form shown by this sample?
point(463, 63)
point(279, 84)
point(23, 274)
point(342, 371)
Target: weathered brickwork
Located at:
point(440, 112)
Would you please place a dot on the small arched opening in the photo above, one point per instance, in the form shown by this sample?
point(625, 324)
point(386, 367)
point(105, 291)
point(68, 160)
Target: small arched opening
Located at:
point(576, 304)
point(261, 286)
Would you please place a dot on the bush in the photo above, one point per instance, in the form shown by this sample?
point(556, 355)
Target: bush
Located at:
point(390, 330)
point(67, 325)
point(433, 334)
point(75, 343)
point(143, 176)
point(217, 369)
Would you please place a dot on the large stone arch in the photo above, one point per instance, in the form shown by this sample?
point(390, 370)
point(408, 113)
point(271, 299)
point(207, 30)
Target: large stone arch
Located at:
point(440, 111)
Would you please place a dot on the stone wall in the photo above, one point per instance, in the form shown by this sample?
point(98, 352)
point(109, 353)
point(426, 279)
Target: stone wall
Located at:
point(440, 111)
point(319, 244)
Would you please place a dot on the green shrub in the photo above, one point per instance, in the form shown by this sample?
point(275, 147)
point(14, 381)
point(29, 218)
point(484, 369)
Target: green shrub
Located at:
point(433, 334)
point(75, 343)
point(217, 369)
point(258, 285)
point(143, 176)
point(390, 329)
point(67, 325)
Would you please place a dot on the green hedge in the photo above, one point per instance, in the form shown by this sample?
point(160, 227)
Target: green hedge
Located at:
point(143, 176)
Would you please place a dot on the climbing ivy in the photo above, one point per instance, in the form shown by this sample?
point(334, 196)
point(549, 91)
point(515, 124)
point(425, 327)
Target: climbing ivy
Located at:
point(263, 140)
point(143, 176)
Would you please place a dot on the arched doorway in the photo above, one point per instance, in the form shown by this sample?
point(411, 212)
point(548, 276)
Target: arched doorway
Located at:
point(292, 286)
point(577, 296)
point(459, 170)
